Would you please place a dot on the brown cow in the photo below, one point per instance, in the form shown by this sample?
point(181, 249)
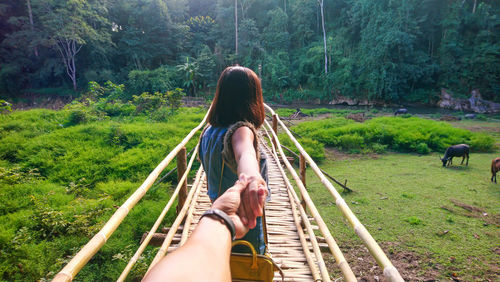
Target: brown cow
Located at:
point(495, 167)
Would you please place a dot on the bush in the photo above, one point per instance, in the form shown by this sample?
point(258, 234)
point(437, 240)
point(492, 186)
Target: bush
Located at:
point(157, 80)
point(109, 91)
point(82, 112)
point(351, 142)
point(378, 148)
point(148, 103)
point(481, 142)
point(422, 148)
point(314, 148)
point(400, 134)
point(5, 107)
point(116, 108)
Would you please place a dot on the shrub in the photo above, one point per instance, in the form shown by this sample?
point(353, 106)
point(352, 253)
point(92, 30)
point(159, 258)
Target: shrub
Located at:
point(351, 142)
point(378, 148)
point(82, 112)
point(116, 108)
point(157, 80)
point(5, 106)
point(481, 142)
point(314, 148)
point(422, 148)
point(110, 90)
point(77, 116)
point(401, 134)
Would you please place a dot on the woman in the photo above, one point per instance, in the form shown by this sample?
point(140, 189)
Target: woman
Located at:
point(229, 147)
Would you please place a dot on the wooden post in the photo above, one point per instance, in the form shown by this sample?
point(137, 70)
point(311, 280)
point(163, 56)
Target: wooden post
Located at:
point(275, 129)
point(303, 177)
point(181, 168)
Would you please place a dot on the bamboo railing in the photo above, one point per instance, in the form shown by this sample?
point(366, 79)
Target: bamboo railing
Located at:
point(334, 248)
point(390, 272)
point(295, 202)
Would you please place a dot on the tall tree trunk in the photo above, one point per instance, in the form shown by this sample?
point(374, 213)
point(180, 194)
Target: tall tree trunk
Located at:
point(68, 48)
point(236, 24)
point(284, 4)
point(30, 14)
point(324, 35)
point(474, 8)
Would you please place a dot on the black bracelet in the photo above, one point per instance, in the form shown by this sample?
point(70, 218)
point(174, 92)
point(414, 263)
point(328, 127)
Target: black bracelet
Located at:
point(222, 215)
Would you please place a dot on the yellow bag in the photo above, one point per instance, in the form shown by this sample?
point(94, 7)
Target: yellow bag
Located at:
point(252, 267)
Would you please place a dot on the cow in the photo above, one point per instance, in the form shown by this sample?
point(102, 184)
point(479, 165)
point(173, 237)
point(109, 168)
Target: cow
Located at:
point(470, 116)
point(460, 150)
point(401, 111)
point(495, 167)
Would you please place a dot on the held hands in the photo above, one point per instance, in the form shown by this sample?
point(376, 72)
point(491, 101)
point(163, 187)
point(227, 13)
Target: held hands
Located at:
point(252, 199)
point(229, 202)
point(243, 202)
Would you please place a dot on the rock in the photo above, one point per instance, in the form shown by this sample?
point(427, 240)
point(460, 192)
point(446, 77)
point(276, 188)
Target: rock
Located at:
point(341, 100)
point(364, 102)
point(401, 111)
point(475, 103)
point(359, 117)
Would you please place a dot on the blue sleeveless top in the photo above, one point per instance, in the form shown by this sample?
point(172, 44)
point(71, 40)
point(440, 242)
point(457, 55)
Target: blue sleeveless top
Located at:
point(211, 156)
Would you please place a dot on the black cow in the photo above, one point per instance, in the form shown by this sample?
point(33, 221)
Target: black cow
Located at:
point(401, 111)
point(461, 150)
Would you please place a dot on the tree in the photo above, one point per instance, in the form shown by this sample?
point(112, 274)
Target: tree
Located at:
point(68, 25)
point(236, 25)
point(190, 71)
point(320, 2)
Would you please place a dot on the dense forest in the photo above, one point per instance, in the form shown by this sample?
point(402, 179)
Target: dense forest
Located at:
point(392, 51)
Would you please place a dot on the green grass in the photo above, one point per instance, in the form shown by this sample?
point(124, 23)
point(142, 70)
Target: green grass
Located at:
point(61, 181)
point(399, 198)
point(285, 112)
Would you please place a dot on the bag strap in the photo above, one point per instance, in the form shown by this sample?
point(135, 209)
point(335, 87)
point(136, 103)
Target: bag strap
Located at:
point(254, 257)
point(252, 249)
point(220, 179)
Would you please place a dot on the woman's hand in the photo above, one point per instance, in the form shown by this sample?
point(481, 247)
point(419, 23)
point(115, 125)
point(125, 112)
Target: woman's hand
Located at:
point(252, 200)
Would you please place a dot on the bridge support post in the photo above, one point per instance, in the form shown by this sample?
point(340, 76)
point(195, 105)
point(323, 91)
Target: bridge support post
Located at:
point(181, 168)
point(275, 129)
point(303, 178)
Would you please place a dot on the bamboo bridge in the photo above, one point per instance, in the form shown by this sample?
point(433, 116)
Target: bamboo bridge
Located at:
point(291, 218)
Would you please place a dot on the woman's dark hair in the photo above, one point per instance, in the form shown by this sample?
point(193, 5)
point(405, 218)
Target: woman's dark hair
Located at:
point(238, 98)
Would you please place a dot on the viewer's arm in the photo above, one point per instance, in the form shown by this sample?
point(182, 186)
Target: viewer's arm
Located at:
point(205, 256)
point(254, 197)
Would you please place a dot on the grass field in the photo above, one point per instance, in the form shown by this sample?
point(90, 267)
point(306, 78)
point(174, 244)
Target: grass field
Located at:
point(433, 222)
point(60, 181)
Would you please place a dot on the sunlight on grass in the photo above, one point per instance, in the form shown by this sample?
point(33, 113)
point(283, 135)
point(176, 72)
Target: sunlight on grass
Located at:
point(405, 198)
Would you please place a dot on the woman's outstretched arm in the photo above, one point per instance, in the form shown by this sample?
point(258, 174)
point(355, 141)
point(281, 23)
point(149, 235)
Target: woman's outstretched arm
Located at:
point(205, 256)
point(253, 199)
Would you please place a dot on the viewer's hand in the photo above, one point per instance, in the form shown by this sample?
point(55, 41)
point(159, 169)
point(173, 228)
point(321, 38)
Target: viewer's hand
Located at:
point(229, 202)
point(252, 200)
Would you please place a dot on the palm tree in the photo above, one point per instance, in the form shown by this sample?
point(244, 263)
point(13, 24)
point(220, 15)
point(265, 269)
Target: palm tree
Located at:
point(191, 75)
